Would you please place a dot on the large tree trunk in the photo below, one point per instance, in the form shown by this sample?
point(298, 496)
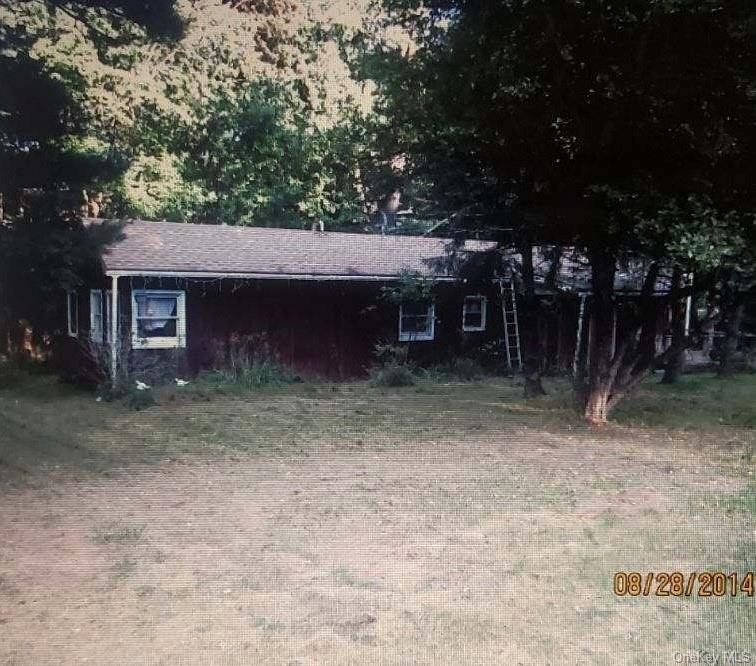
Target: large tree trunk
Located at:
point(532, 350)
point(612, 376)
point(579, 362)
point(600, 367)
point(674, 366)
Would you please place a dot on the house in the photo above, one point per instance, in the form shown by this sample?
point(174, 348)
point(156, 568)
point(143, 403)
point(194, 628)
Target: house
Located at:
point(178, 294)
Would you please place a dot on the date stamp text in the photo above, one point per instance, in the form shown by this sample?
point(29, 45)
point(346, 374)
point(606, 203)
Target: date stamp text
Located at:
point(678, 584)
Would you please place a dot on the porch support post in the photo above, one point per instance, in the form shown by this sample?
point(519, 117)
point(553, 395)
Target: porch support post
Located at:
point(688, 309)
point(114, 340)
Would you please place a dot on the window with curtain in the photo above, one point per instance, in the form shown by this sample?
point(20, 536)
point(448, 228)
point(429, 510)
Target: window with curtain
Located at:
point(416, 321)
point(474, 313)
point(158, 318)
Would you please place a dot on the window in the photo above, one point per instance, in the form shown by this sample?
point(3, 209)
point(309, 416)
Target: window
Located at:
point(474, 313)
point(416, 321)
point(100, 307)
point(108, 311)
point(158, 319)
point(72, 309)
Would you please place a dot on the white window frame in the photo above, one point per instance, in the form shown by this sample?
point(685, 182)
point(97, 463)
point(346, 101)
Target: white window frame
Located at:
point(179, 340)
point(483, 307)
point(101, 300)
point(413, 336)
point(72, 297)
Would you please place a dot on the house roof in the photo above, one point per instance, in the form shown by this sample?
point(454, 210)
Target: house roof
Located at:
point(202, 249)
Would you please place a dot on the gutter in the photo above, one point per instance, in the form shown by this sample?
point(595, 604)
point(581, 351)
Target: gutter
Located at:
point(265, 276)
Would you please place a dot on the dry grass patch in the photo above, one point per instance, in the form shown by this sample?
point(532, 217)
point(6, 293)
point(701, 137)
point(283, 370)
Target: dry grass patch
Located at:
point(351, 525)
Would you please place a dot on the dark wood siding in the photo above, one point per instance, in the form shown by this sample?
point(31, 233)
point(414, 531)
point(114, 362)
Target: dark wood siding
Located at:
point(325, 329)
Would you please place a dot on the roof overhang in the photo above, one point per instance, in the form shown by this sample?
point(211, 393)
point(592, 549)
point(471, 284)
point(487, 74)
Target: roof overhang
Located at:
point(265, 276)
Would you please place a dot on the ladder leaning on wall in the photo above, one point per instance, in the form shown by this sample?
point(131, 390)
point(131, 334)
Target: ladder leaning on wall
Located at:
point(511, 325)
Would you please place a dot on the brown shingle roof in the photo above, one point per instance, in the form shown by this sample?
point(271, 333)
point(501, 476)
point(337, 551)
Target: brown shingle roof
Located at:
point(210, 249)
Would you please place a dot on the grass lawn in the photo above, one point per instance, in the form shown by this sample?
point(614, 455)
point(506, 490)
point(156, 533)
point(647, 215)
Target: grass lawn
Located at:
point(347, 524)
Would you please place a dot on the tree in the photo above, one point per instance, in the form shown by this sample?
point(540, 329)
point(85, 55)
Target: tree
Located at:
point(42, 253)
point(144, 69)
point(42, 137)
point(45, 165)
point(158, 18)
point(260, 161)
point(594, 118)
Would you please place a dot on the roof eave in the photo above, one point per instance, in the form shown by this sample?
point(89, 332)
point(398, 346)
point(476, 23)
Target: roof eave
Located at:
point(129, 272)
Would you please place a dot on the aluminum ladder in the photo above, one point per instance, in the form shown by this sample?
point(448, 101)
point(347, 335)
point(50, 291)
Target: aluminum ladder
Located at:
point(511, 325)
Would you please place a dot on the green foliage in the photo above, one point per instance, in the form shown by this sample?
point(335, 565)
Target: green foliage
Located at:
point(465, 369)
point(11, 374)
point(458, 369)
point(153, 77)
point(584, 124)
point(43, 254)
point(42, 134)
point(412, 287)
point(392, 375)
point(248, 376)
point(125, 392)
point(261, 161)
point(244, 363)
point(583, 116)
point(110, 392)
point(386, 354)
point(138, 400)
point(393, 368)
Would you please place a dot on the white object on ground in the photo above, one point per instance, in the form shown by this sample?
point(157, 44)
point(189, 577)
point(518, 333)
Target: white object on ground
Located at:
point(181, 382)
point(141, 386)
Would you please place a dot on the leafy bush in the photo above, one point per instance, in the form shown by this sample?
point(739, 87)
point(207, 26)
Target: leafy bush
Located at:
point(460, 369)
point(126, 393)
point(10, 375)
point(244, 363)
point(393, 368)
point(387, 354)
point(491, 354)
point(137, 400)
point(392, 374)
point(466, 369)
point(248, 376)
point(411, 287)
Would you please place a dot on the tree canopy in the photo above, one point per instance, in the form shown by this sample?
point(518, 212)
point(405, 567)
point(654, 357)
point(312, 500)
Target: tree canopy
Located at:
point(142, 74)
point(624, 129)
point(570, 106)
